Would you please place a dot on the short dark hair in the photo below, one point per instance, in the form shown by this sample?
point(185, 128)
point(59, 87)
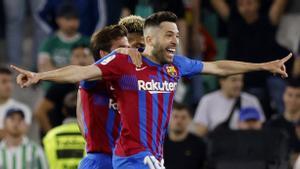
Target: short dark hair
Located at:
point(70, 102)
point(102, 39)
point(133, 24)
point(14, 111)
point(157, 18)
point(181, 106)
point(4, 70)
point(293, 82)
point(67, 10)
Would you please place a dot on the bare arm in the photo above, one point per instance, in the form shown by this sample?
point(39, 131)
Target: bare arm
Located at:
point(277, 10)
point(225, 68)
point(79, 113)
point(68, 74)
point(44, 63)
point(221, 8)
point(199, 129)
point(41, 113)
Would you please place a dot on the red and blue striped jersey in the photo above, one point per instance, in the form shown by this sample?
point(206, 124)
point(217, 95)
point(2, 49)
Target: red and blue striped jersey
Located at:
point(100, 116)
point(145, 97)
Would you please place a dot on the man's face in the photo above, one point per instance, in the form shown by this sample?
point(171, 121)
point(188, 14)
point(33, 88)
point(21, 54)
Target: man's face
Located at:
point(291, 99)
point(250, 125)
point(180, 121)
point(68, 26)
point(248, 8)
point(121, 42)
point(136, 40)
point(15, 125)
point(81, 56)
point(232, 85)
point(6, 86)
point(165, 41)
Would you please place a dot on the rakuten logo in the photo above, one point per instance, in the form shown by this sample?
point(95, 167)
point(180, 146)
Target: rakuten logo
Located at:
point(157, 87)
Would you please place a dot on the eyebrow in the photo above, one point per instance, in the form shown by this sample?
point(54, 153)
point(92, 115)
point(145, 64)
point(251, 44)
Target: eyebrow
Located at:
point(172, 32)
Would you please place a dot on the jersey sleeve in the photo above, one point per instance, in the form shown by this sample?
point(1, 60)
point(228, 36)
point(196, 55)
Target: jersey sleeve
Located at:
point(87, 85)
point(112, 66)
point(188, 67)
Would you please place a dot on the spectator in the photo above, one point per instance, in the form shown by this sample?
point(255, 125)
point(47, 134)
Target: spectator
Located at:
point(15, 12)
point(288, 34)
point(250, 119)
point(49, 109)
point(208, 115)
point(6, 102)
point(64, 145)
point(251, 37)
point(286, 121)
point(183, 150)
point(17, 150)
point(93, 14)
point(56, 50)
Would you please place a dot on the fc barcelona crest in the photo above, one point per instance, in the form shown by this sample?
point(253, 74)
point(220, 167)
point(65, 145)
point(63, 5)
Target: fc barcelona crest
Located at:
point(171, 71)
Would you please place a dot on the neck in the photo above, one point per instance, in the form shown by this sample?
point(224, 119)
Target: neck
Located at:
point(292, 116)
point(227, 95)
point(148, 54)
point(67, 35)
point(13, 141)
point(178, 136)
point(3, 100)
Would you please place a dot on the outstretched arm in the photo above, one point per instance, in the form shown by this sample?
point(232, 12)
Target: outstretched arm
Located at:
point(225, 68)
point(68, 74)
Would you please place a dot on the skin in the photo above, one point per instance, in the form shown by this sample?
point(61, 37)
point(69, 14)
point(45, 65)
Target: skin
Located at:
point(232, 86)
point(68, 26)
point(167, 40)
point(250, 125)
point(80, 56)
point(6, 87)
point(15, 128)
point(291, 99)
point(179, 123)
point(120, 42)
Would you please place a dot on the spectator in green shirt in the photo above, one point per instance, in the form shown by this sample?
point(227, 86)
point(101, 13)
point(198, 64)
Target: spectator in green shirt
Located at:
point(55, 52)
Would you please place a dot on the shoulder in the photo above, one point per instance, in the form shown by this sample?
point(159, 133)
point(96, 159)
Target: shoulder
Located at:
point(17, 104)
point(211, 96)
point(248, 96)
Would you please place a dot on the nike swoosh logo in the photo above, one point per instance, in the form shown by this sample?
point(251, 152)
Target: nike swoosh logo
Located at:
point(140, 69)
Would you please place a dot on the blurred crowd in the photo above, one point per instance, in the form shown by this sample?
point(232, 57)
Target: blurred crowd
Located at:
point(242, 121)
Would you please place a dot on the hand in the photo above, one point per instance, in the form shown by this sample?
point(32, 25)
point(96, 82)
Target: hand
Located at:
point(153, 163)
point(134, 54)
point(25, 77)
point(277, 66)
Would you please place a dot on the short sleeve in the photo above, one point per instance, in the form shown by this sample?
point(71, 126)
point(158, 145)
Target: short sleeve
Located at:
point(112, 66)
point(187, 67)
point(45, 47)
point(201, 114)
point(91, 84)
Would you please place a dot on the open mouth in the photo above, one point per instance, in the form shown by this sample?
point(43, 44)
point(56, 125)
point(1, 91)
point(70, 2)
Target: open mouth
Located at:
point(171, 51)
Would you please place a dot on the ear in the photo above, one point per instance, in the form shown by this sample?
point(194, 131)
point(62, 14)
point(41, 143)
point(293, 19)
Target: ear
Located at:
point(149, 40)
point(102, 53)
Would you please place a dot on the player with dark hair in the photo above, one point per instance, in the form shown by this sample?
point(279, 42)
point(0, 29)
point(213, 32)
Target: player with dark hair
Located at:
point(145, 94)
point(97, 112)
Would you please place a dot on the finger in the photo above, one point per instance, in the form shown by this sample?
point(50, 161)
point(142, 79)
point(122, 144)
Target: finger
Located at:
point(20, 70)
point(283, 74)
point(283, 60)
